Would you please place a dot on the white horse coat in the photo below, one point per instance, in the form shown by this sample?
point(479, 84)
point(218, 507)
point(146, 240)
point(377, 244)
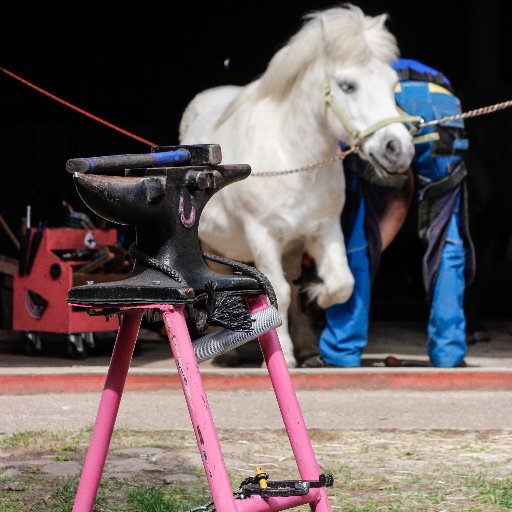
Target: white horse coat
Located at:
point(278, 122)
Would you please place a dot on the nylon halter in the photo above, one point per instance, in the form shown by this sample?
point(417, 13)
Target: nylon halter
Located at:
point(360, 135)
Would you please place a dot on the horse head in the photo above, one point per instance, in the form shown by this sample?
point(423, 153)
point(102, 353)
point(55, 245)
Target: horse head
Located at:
point(350, 55)
point(360, 109)
point(359, 82)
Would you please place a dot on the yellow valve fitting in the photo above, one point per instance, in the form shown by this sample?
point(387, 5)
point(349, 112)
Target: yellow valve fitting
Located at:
point(261, 481)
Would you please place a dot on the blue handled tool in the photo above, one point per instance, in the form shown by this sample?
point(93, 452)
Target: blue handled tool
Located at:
point(202, 154)
point(101, 164)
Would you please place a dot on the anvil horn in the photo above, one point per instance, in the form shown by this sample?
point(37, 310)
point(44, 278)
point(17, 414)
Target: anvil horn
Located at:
point(120, 199)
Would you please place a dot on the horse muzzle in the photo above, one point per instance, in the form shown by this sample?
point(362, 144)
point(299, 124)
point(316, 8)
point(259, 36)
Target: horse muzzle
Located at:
point(390, 153)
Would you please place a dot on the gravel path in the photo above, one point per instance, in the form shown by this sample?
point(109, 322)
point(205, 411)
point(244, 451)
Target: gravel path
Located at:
point(341, 409)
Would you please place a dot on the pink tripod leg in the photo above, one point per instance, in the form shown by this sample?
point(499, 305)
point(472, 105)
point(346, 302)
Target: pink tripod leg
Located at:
point(107, 411)
point(290, 409)
point(199, 409)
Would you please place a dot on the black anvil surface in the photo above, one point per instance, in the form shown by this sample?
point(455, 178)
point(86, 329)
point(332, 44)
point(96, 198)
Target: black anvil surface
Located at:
point(164, 204)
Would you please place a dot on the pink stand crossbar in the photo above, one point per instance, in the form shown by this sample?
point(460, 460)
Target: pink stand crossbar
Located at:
point(200, 414)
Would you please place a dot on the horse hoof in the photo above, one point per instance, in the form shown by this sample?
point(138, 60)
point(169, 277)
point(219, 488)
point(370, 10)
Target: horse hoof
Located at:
point(326, 298)
point(478, 336)
point(291, 362)
point(316, 362)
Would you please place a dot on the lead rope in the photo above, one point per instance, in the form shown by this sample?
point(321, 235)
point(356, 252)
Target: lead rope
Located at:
point(77, 109)
point(355, 148)
point(310, 167)
point(470, 113)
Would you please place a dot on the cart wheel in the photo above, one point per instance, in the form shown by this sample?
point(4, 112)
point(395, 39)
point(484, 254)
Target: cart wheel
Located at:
point(33, 344)
point(5, 303)
point(137, 350)
point(76, 348)
point(89, 340)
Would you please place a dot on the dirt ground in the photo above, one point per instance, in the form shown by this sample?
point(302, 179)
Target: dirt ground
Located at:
point(385, 469)
point(387, 450)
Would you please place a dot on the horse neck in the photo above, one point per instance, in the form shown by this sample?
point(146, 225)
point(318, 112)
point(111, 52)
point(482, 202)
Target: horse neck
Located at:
point(304, 131)
point(311, 137)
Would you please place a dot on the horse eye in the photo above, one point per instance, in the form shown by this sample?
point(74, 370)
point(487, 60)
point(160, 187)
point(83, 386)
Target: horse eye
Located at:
point(347, 87)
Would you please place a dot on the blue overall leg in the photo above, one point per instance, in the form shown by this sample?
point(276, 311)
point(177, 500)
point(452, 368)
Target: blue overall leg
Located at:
point(447, 322)
point(345, 334)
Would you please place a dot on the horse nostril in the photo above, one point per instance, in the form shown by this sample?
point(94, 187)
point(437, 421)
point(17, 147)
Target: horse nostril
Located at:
point(392, 147)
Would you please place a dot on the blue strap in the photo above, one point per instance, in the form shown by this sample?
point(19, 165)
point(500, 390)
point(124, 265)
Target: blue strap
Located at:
point(417, 66)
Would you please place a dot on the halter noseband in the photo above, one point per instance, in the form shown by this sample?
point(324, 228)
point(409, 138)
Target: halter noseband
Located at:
point(358, 135)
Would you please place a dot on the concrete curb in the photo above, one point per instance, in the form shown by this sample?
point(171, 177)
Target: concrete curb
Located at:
point(51, 380)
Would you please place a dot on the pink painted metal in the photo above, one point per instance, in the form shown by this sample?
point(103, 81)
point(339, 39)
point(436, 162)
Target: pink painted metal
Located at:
point(259, 504)
point(107, 411)
point(290, 411)
point(199, 409)
point(204, 428)
point(201, 416)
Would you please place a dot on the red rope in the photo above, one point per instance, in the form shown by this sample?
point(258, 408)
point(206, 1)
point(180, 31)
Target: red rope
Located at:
point(80, 110)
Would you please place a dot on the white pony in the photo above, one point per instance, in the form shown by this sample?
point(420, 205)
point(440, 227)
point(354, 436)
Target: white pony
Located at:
point(332, 82)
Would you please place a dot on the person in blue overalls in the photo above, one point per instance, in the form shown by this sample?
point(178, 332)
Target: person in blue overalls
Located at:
point(448, 262)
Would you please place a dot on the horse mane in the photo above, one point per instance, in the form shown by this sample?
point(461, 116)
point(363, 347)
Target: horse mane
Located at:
point(344, 34)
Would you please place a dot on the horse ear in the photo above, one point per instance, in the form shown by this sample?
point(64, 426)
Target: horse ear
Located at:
point(381, 20)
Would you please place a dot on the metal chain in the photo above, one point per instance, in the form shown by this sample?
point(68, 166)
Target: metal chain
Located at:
point(340, 156)
point(310, 167)
point(471, 113)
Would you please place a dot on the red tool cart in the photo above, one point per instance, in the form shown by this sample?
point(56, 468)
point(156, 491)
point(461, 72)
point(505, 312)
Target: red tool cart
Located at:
point(52, 261)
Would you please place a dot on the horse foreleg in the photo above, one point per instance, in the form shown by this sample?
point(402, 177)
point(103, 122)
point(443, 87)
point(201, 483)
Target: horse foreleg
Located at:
point(337, 281)
point(267, 256)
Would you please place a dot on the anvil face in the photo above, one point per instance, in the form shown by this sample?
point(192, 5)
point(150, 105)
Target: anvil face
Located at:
point(164, 204)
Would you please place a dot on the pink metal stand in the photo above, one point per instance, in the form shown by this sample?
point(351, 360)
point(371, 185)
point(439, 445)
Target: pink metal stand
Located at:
point(200, 414)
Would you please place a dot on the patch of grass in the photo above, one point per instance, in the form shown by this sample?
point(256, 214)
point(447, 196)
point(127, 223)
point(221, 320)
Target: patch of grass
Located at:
point(123, 438)
point(372, 508)
point(64, 495)
point(360, 504)
point(59, 441)
point(158, 499)
point(18, 439)
point(61, 499)
point(492, 490)
point(65, 441)
point(67, 448)
point(472, 447)
point(431, 497)
point(115, 495)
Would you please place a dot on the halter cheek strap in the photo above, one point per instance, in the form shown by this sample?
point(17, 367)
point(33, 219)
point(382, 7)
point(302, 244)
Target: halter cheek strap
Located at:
point(358, 135)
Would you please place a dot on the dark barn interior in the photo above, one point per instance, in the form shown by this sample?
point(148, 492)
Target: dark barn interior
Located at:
point(138, 70)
